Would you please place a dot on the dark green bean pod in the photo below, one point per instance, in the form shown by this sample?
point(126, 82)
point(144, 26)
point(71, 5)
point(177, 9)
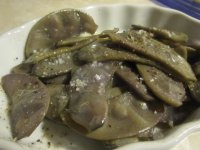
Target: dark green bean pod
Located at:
point(144, 44)
point(57, 26)
point(165, 88)
point(164, 33)
point(30, 102)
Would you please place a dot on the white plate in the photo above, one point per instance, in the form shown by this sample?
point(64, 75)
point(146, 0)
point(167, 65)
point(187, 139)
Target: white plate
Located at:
point(107, 17)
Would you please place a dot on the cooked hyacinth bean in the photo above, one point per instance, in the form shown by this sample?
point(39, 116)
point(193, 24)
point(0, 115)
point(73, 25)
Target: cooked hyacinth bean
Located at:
point(165, 88)
point(59, 98)
point(54, 66)
point(163, 33)
point(30, 102)
point(194, 88)
point(102, 53)
point(182, 49)
point(83, 112)
point(153, 49)
point(87, 90)
point(134, 82)
point(135, 115)
point(69, 122)
point(55, 27)
point(37, 57)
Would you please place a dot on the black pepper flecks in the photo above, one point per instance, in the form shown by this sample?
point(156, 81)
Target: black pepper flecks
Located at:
point(39, 141)
point(51, 135)
point(49, 144)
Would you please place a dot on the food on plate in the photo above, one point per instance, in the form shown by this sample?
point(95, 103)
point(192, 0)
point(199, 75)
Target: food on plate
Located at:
point(114, 86)
point(30, 102)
